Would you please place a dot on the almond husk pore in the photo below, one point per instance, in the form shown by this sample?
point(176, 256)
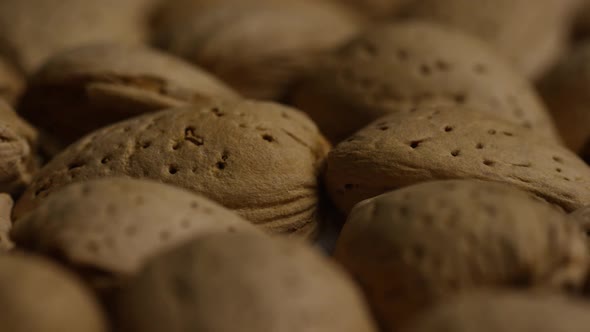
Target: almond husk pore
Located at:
point(86, 88)
point(12, 82)
point(112, 226)
point(36, 295)
point(565, 90)
point(33, 30)
point(426, 243)
point(257, 158)
point(531, 35)
point(506, 311)
point(18, 144)
point(220, 282)
point(405, 148)
point(258, 47)
point(396, 67)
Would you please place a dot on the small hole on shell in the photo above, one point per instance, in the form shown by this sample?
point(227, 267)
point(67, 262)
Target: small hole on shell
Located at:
point(425, 70)
point(448, 129)
point(146, 145)
point(479, 146)
point(221, 165)
point(455, 153)
point(268, 138)
point(172, 169)
point(105, 160)
point(488, 162)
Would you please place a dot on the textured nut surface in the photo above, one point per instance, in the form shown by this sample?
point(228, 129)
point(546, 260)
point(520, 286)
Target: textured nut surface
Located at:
point(449, 143)
point(222, 281)
point(530, 34)
point(422, 244)
point(260, 159)
point(36, 295)
point(114, 225)
point(258, 47)
point(378, 8)
point(33, 30)
point(6, 205)
point(492, 312)
point(566, 91)
point(11, 82)
point(394, 67)
point(87, 88)
point(18, 143)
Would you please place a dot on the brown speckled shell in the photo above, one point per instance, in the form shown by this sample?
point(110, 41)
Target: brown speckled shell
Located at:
point(450, 143)
point(83, 89)
point(395, 67)
point(259, 159)
point(423, 244)
point(223, 281)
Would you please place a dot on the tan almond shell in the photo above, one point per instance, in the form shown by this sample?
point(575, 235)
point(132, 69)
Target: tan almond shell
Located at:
point(506, 311)
point(530, 34)
point(258, 47)
point(18, 145)
point(395, 67)
point(33, 30)
point(36, 295)
point(6, 204)
point(425, 243)
point(565, 90)
point(114, 225)
point(86, 88)
point(223, 281)
point(260, 159)
point(449, 143)
point(12, 82)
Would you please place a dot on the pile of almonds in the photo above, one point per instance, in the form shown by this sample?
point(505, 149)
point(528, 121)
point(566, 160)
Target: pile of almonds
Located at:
point(295, 165)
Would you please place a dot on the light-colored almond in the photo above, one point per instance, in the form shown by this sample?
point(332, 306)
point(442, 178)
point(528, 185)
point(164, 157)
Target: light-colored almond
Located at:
point(259, 159)
point(258, 47)
point(426, 243)
point(11, 82)
point(36, 295)
point(396, 67)
point(224, 282)
point(86, 88)
point(450, 143)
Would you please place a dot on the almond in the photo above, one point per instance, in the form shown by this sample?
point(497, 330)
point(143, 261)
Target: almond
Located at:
point(86, 88)
point(531, 35)
point(423, 244)
point(506, 311)
point(396, 67)
point(114, 225)
point(223, 281)
point(259, 159)
point(36, 295)
point(6, 204)
point(450, 143)
point(258, 47)
point(33, 30)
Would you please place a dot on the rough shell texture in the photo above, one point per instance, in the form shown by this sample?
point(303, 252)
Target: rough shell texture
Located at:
point(37, 296)
point(449, 143)
point(18, 144)
point(218, 282)
point(11, 82)
point(113, 225)
point(566, 90)
point(6, 205)
point(260, 159)
point(416, 246)
point(33, 30)
point(530, 34)
point(492, 312)
point(395, 67)
point(258, 47)
point(90, 87)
